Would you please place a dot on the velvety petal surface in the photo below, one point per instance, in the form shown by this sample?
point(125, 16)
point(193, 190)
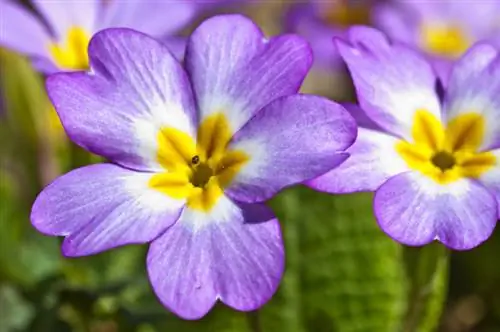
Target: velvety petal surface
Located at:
point(234, 254)
point(474, 88)
point(416, 210)
point(153, 17)
point(134, 89)
point(373, 159)
point(103, 206)
point(292, 140)
point(392, 81)
point(236, 71)
point(491, 179)
point(21, 31)
point(63, 15)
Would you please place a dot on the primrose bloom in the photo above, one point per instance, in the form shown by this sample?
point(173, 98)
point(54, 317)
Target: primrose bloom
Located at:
point(432, 157)
point(444, 29)
point(194, 154)
point(59, 43)
point(319, 21)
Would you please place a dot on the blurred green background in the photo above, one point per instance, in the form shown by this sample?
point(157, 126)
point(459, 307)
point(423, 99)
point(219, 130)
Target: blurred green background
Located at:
point(342, 274)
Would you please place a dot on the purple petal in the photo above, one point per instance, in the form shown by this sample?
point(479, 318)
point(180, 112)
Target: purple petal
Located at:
point(392, 81)
point(236, 71)
point(176, 45)
point(302, 19)
point(101, 207)
point(403, 22)
point(398, 21)
point(491, 179)
point(65, 14)
point(156, 18)
point(442, 67)
point(416, 210)
point(474, 87)
point(373, 159)
point(45, 65)
point(21, 31)
point(234, 253)
point(360, 116)
point(135, 87)
point(482, 24)
point(292, 140)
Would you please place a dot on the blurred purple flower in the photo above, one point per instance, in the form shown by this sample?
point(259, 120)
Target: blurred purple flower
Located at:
point(444, 29)
point(320, 21)
point(195, 152)
point(59, 42)
point(434, 163)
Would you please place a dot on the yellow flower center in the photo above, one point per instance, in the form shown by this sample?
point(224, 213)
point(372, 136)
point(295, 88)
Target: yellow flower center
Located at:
point(346, 13)
point(197, 171)
point(449, 153)
point(449, 41)
point(72, 54)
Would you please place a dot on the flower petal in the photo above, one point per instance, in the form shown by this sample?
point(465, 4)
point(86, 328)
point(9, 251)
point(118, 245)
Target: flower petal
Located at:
point(234, 254)
point(134, 89)
point(302, 18)
point(176, 45)
point(155, 18)
point(63, 15)
point(398, 21)
point(236, 71)
point(360, 116)
point(21, 31)
point(491, 178)
point(103, 206)
point(392, 81)
point(415, 210)
point(373, 159)
point(292, 140)
point(474, 88)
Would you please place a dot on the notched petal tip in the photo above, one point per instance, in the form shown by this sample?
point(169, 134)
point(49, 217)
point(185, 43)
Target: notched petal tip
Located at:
point(218, 23)
point(367, 37)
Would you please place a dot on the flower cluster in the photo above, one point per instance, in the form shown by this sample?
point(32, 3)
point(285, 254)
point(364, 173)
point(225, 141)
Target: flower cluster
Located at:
point(195, 148)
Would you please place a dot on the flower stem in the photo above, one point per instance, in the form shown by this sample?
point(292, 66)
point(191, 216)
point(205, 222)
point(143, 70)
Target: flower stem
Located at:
point(427, 272)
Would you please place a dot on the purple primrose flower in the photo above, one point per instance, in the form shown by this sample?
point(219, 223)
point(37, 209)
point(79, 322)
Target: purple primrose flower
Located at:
point(444, 29)
point(432, 157)
point(60, 43)
point(194, 153)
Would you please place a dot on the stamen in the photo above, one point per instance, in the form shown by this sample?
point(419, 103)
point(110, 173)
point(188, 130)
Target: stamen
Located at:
point(443, 160)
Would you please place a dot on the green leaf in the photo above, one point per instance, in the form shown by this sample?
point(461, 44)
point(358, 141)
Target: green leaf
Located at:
point(343, 273)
